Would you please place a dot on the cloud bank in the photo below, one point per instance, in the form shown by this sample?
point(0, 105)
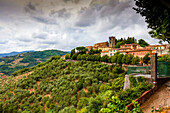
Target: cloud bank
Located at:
point(65, 24)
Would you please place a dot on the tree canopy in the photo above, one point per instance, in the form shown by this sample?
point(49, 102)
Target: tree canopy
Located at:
point(142, 43)
point(82, 50)
point(157, 15)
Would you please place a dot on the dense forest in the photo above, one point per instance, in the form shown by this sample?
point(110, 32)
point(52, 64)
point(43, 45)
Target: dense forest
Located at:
point(58, 86)
point(10, 64)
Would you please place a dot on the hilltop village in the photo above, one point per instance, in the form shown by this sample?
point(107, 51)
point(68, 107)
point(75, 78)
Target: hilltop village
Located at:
point(108, 48)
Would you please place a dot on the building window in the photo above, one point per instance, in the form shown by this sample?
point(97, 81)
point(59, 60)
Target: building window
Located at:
point(141, 53)
point(137, 53)
point(133, 53)
point(141, 58)
point(110, 54)
point(160, 47)
point(145, 52)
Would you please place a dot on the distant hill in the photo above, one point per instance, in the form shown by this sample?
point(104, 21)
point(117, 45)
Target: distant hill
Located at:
point(13, 53)
point(10, 64)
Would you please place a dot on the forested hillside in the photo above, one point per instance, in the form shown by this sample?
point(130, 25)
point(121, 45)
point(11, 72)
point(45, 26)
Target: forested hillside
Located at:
point(58, 86)
point(12, 53)
point(10, 64)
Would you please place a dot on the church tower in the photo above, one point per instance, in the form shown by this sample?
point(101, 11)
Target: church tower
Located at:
point(112, 41)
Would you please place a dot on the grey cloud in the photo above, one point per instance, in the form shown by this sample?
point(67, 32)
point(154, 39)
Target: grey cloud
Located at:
point(49, 42)
point(94, 23)
point(87, 17)
point(30, 7)
point(62, 13)
point(44, 20)
point(95, 12)
point(24, 39)
point(114, 7)
point(74, 1)
point(40, 36)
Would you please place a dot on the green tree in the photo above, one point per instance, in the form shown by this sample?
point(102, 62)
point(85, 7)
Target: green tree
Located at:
point(82, 102)
point(97, 57)
point(72, 52)
point(83, 57)
point(137, 60)
point(165, 58)
point(79, 57)
point(114, 58)
point(146, 59)
point(81, 50)
point(142, 43)
point(74, 57)
point(124, 58)
point(119, 59)
point(119, 43)
point(104, 58)
point(157, 15)
point(67, 56)
point(129, 59)
point(133, 60)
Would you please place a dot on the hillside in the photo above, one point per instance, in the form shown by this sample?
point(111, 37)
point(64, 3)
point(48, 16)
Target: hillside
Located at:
point(12, 53)
point(58, 86)
point(10, 64)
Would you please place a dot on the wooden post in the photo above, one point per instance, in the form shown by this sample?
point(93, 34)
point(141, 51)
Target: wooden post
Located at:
point(154, 67)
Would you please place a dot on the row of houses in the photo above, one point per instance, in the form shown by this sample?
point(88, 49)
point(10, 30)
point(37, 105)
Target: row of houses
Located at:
point(134, 49)
point(137, 50)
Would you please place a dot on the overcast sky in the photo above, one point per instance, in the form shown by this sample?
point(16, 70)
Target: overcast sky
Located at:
point(65, 24)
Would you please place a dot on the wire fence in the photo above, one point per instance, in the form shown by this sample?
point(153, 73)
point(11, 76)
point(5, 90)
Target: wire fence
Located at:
point(138, 70)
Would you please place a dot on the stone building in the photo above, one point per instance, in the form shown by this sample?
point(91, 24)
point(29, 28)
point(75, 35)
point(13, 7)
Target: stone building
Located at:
point(112, 42)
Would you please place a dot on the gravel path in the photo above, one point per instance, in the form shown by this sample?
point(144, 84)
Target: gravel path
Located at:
point(159, 99)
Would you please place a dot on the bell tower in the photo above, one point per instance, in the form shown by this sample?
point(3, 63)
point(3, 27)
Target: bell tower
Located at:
point(112, 41)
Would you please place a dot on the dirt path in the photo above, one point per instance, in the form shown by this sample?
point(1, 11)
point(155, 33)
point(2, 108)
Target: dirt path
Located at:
point(160, 99)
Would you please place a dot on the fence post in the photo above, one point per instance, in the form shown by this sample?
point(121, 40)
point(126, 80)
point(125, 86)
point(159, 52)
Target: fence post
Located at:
point(154, 67)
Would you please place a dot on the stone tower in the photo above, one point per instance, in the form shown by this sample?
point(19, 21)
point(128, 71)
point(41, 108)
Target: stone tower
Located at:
point(111, 41)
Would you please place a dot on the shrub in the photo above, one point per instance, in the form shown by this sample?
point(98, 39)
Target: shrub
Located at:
point(133, 81)
point(141, 79)
point(67, 56)
point(82, 102)
point(83, 57)
point(79, 57)
point(74, 57)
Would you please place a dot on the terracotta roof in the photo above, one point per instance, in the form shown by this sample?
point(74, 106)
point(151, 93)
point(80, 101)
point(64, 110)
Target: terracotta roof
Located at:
point(140, 50)
point(129, 44)
point(104, 47)
point(114, 49)
point(63, 56)
point(101, 42)
point(125, 48)
point(123, 51)
point(156, 45)
point(105, 51)
point(88, 46)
